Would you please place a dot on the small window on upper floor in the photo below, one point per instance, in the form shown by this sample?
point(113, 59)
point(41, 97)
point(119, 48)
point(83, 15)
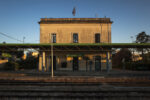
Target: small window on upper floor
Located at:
point(75, 38)
point(97, 38)
point(53, 38)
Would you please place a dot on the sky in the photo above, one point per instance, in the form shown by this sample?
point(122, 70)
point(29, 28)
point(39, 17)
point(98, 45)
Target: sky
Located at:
point(19, 18)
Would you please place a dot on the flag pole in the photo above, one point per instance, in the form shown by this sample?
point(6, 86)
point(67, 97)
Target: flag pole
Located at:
point(74, 11)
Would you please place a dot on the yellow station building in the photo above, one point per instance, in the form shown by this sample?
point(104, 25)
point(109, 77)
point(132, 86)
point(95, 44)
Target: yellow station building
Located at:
point(75, 31)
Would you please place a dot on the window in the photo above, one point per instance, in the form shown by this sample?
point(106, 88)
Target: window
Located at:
point(53, 38)
point(97, 38)
point(75, 38)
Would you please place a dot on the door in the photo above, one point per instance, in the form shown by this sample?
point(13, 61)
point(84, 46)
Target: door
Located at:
point(97, 63)
point(75, 64)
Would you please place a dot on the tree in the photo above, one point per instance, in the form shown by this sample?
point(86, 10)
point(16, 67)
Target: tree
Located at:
point(125, 54)
point(4, 42)
point(142, 38)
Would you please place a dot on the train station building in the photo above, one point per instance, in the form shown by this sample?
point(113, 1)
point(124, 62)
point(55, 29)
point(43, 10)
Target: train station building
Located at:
point(75, 43)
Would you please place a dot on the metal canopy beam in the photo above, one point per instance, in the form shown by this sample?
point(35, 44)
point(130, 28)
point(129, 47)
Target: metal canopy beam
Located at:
point(73, 46)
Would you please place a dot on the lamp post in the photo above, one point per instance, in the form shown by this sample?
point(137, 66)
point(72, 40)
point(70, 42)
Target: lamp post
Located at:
point(52, 70)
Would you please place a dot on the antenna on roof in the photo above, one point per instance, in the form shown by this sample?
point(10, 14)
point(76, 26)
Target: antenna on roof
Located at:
point(96, 15)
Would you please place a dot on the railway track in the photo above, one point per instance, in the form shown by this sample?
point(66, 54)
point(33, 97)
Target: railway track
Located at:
point(27, 90)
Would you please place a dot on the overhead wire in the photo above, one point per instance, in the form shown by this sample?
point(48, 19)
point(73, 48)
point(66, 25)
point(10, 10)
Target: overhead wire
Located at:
point(10, 37)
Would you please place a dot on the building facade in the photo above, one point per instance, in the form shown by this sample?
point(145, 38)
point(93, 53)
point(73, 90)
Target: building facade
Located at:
point(75, 31)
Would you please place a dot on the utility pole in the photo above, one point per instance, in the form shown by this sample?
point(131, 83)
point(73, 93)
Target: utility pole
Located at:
point(23, 43)
point(52, 70)
point(23, 39)
point(132, 50)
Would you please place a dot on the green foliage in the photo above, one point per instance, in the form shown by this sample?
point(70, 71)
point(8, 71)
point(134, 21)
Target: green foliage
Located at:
point(9, 54)
point(119, 56)
point(6, 55)
point(142, 38)
point(29, 63)
point(11, 66)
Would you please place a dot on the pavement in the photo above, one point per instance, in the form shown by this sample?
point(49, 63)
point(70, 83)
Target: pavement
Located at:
point(113, 76)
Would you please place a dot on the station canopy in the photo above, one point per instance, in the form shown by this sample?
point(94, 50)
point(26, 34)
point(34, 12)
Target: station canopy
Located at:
point(71, 46)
